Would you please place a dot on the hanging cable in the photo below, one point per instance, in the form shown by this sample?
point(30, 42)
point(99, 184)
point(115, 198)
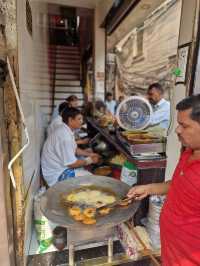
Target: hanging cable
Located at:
point(23, 123)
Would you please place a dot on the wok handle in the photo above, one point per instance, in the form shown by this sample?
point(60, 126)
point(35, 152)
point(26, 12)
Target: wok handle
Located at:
point(148, 251)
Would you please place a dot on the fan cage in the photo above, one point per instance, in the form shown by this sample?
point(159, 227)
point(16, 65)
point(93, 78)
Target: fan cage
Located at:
point(134, 125)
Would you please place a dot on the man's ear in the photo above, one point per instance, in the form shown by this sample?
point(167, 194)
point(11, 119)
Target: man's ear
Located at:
point(70, 120)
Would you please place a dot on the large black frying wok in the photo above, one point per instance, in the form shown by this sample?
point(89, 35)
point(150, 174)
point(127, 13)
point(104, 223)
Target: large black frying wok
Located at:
point(54, 211)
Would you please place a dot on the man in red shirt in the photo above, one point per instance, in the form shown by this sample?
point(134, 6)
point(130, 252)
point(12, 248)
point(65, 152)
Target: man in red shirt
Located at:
point(180, 215)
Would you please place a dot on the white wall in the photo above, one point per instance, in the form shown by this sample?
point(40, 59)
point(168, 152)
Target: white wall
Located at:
point(34, 86)
point(180, 91)
point(99, 60)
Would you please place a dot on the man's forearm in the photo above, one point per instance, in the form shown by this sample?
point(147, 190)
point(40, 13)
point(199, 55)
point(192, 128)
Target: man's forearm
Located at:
point(159, 188)
point(81, 152)
point(77, 164)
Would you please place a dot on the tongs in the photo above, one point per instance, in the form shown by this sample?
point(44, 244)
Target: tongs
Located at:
point(120, 202)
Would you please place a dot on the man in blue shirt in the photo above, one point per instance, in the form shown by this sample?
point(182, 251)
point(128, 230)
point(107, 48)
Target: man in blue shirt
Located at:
point(161, 107)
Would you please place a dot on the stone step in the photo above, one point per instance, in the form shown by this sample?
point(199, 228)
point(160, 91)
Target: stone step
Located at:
point(67, 66)
point(67, 56)
point(63, 72)
point(67, 82)
point(63, 96)
point(67, 76)
point(70, 83)
point(71, 90)
point(64, 53)
point(64, 48)
point(67, 63)
point(70, 60)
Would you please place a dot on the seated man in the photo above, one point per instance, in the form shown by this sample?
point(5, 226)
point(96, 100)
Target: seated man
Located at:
point(161, 107)
point(57, 121)
point(59, 156)
point(72, 101)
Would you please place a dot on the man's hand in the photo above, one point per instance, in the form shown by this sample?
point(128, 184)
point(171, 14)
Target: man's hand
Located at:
point(139, 192)
point(95, 157)
point(83, 141)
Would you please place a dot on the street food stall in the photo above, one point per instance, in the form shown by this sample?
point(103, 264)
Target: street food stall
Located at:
point(141, 49)
point(144, 149)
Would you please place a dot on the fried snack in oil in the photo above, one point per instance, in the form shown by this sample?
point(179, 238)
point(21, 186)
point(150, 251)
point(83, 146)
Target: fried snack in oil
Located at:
point(99, 204)
point(88, 221)
point(89, 212)
point(104, 211)
point(71, 197)
point(73, 211)
point(79, 217)
point(124, 203)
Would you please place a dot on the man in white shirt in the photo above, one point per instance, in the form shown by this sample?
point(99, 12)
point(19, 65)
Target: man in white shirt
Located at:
point(59, 156)
point(161, 107)
point(110, 103)
point(57, 120)
point(72, 101)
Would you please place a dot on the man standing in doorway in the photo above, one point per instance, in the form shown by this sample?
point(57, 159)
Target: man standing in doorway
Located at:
point(180, 216)
point(110, 103)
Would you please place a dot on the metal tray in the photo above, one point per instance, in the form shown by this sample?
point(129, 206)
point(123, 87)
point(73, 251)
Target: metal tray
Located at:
point(133, 149)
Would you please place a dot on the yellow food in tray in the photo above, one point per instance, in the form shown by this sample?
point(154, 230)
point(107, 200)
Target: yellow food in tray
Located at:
point(118, 159)
point(103, 170)
point(140, 137)
point(105, 120)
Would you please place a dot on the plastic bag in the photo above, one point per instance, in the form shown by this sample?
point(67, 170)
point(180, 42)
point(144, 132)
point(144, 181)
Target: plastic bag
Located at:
point(129, 173)
point(127, 240)
point(43, 226)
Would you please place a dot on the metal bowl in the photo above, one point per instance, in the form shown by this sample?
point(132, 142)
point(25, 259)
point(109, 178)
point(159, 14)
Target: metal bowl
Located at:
point(101, 146)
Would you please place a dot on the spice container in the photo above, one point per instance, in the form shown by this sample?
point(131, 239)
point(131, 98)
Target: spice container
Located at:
point(60, 237)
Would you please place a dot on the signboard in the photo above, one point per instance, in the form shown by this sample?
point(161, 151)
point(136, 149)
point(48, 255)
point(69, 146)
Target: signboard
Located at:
point(183, 55)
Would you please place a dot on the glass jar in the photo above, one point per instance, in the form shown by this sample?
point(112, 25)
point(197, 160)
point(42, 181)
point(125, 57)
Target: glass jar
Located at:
point(60, 237)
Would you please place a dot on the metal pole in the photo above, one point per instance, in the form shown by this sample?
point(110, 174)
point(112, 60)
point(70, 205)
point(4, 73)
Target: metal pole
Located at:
point(110, 249)
point(71, 255)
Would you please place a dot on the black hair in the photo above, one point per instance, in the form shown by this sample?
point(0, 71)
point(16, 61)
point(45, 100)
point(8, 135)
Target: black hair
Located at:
point(99, 104)
point(71, 98)
point(108, 94)
point(70, 112)
point(157, 86)
point(62, 106)
point(191, 102)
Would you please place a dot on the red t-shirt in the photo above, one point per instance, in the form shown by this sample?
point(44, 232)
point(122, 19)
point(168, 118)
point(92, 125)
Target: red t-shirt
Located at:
point(180, 216)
